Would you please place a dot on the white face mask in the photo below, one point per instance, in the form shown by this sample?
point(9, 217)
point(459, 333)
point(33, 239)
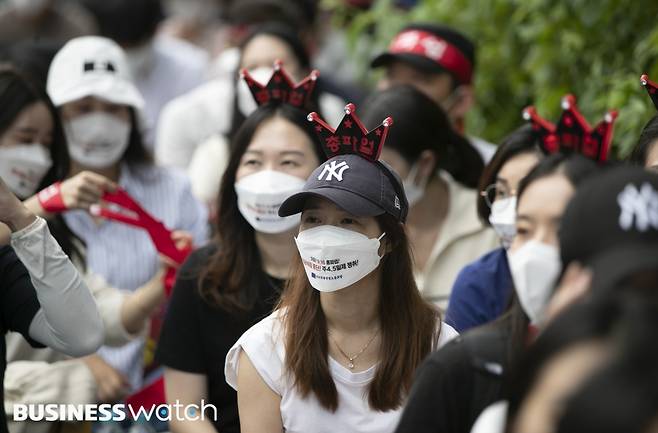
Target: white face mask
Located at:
point(97, 140)
point(246, 102)
point(503, 219)
point(23, 166)
point(260, 195)
point(335, 258)
point(413, 191)
point(535, 268)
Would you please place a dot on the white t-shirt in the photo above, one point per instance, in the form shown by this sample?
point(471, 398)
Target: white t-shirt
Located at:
point(264, 345)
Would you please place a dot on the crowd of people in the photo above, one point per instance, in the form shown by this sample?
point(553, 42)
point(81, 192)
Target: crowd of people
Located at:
point(190, 212)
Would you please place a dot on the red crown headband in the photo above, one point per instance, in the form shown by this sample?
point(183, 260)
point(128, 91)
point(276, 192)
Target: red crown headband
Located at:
point(351, 137)
point(572, 132)
point(281, 88)
point(652, 89)
point(436, 49)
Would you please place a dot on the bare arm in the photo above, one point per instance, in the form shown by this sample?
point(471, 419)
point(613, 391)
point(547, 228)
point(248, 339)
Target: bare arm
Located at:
point(258, 405)
point(138, 306)
point(187, 388)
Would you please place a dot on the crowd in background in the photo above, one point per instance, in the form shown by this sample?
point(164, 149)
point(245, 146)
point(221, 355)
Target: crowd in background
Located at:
point(199, 201)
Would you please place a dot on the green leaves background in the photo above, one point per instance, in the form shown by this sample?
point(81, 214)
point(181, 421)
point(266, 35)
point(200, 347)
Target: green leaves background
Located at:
point(534, 52)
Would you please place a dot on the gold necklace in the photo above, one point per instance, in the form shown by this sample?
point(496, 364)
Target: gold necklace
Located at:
point(353, 358)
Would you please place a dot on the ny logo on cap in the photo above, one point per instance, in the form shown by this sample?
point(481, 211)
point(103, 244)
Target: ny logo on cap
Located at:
point(639, 208)
point(334, 170)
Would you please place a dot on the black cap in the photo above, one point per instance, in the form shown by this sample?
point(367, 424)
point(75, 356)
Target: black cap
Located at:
point(424, 63)
point(358, 186)
point(611, 225)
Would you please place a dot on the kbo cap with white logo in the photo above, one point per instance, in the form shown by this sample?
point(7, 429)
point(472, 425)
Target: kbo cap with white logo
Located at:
point(611, 225)
point(353, 178)
point(92, 66)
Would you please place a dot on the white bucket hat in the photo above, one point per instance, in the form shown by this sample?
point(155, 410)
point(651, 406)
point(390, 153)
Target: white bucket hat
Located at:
point(92, 66)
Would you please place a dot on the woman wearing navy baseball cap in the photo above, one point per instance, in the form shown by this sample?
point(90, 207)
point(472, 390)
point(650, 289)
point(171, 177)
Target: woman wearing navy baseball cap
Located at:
point(342, 347)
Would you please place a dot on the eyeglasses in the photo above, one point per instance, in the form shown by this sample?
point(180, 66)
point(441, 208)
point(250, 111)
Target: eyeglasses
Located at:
point(497, 191)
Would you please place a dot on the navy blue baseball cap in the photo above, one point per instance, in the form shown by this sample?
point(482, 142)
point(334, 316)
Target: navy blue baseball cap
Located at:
point(361, 187)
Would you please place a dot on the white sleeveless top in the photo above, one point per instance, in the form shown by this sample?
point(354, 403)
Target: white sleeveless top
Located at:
point(264, 345)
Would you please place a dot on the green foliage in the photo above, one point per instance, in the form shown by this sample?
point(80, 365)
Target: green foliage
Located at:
point(532, 52)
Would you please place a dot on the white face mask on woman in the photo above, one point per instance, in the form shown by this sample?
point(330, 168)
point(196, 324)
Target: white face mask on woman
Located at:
point(260, 195)
point(535, 268)
point(335, 258)
point(503, 219)
point(97, 140)
point(23, 166)
point(246, 103)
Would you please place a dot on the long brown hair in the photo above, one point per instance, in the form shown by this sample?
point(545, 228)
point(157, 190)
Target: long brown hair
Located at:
point(233, 275)
point(408, 329)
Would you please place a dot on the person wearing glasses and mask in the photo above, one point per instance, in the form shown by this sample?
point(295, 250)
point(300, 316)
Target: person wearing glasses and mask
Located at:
point(457, 383)
point(482, 289)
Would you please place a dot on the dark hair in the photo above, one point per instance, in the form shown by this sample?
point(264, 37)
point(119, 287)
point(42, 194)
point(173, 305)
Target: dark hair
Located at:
point(127, 22)
point(576, 169)
point(522, 140)
point(579, 323)
point(633, 376)
point(647, 141)
point(420, 124)
point(292, 40)
point(298, 14)
point(408, 329)
point(16, 94)
point(229, 279)
point(136, 153)
point(32, 59)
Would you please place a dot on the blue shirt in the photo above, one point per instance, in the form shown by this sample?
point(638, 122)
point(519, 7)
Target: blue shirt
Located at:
point(480, 292)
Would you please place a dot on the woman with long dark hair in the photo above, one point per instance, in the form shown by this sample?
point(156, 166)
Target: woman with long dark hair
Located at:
point(440, 171)
point(232, 283)
point(341, 349)
point(457, 383)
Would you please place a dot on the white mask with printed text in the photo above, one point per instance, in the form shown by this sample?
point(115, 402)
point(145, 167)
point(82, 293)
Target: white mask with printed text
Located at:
point(23, 167)
point(260, 195)
point(335, 258)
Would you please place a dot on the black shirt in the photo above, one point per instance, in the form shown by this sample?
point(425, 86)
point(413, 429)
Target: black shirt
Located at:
point(18, 306)
point(196, 336)
point(456, 383)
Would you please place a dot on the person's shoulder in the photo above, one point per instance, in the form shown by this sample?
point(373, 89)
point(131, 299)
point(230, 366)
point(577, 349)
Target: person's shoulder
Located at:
point(488, 263)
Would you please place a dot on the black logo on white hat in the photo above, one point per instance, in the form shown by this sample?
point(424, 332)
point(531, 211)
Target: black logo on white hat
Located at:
point(91, 66)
